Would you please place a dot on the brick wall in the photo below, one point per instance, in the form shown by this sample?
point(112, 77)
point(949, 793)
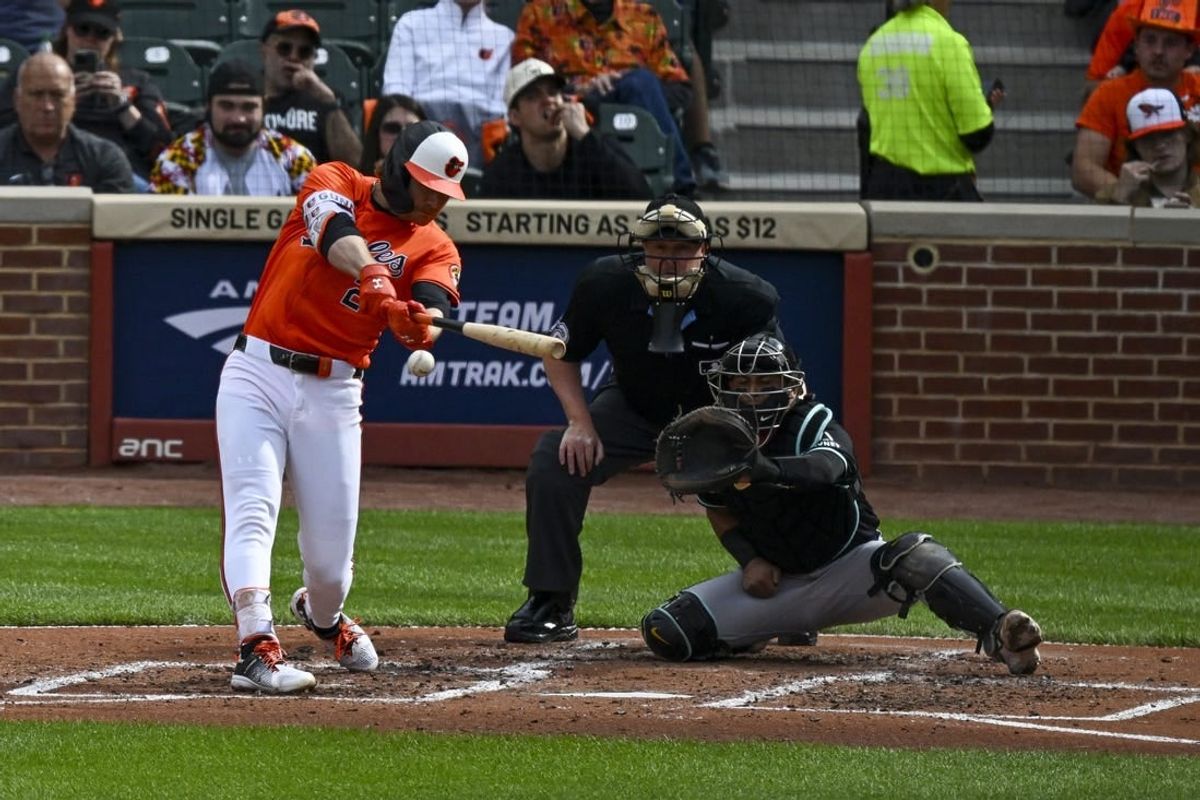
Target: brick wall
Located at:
point(44, 297)
point(1062, 364)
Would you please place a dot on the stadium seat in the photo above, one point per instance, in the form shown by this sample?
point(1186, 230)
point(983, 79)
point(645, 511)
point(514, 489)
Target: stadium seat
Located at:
point(506, 12)
point(678, 25)
point(202, 27)
point(643, 140)
point(351, 25)
point(11, 55)
point(333, 65)
point(173, 71)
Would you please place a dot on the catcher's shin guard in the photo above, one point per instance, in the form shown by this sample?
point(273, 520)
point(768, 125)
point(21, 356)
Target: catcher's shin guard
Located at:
point(915, 567)
point(681, 630)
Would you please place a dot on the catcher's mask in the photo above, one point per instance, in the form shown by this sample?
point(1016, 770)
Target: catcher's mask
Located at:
point(669, 243)
point(760, 378)
point(429, 154)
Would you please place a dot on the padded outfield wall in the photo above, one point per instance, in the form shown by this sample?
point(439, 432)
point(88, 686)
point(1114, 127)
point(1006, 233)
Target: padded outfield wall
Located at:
point(1006, 343)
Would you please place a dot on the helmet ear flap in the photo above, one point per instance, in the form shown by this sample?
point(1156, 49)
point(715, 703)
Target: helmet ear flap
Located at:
point(395, 180)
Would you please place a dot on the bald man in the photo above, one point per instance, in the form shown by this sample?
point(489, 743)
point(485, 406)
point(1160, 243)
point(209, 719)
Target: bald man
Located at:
point(43, 148)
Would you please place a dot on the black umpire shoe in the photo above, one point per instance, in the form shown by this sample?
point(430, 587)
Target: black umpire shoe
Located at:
point(545, 617)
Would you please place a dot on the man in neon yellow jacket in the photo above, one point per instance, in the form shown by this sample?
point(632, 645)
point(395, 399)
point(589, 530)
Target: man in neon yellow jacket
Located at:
point(926, 107)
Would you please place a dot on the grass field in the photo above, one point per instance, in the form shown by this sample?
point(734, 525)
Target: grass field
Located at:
point(1126, 584)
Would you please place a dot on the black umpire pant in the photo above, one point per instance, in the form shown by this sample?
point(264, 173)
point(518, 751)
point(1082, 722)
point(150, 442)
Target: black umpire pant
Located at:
point(556, 501)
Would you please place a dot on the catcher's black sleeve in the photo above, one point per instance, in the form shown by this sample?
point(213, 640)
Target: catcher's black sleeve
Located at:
point(818, 467)
point(738, 546)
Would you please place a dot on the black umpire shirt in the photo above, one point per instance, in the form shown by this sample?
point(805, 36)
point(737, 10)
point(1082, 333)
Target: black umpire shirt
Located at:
point(595, 168)
point(83, 160)
point(609, 305)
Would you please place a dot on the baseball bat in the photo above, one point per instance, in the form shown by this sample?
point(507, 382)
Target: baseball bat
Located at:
point(514, 339)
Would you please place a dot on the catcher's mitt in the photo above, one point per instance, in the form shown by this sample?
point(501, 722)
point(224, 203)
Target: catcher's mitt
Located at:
point(706, 450)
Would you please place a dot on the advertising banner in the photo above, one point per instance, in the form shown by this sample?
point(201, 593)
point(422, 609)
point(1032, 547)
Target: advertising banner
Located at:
point(177, 307)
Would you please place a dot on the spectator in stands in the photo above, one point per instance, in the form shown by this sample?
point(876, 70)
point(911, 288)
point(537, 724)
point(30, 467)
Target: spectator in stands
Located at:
point(1159, 172)
point(31, 23)
point(391, 114)
point(555, 153)
point(1112, 55)
point(613, 51)
point(453, 59)
point(1163, 43)
point(43, 147)
point(121, 104)
point(232, 153)
point(922, 139)
point(299, 103)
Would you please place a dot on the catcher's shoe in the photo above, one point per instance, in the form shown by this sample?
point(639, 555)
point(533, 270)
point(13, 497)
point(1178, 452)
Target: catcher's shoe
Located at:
point(352, 647)
point(544, 617)
point(261, 668)
point(1018, 637)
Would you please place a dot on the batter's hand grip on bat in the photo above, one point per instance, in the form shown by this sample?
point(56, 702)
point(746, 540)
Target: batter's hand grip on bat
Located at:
point(514, 339)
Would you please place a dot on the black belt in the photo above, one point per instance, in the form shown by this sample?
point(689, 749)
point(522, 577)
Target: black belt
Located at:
point(297, 362)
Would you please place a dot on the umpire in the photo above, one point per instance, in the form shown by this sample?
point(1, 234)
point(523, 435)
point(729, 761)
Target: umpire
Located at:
point(665, 307)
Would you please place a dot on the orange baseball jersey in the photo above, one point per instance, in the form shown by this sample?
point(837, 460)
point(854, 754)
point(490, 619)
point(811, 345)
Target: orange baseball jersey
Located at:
point(305, 304)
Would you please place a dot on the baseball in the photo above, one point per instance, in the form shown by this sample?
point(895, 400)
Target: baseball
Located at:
point(420, 363)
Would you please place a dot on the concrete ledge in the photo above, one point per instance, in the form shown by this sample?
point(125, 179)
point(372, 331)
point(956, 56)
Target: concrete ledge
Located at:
point(1174, 226)
point(37, 204)
point(1002, 221)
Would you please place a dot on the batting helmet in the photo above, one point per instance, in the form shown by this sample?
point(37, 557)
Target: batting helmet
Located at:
point(429, 154)
point(779, 384)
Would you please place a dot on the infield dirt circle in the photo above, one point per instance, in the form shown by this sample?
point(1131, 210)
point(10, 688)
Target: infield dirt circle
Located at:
point(846, 689)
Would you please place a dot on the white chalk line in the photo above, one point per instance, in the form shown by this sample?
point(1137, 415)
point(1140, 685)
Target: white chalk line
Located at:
point(41, 692)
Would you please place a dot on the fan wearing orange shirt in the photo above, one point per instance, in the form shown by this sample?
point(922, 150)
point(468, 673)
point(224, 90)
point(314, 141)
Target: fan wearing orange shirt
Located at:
point(357, 255)
point(1164, 40)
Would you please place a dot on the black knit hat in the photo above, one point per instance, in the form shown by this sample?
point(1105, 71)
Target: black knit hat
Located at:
point(235, 76)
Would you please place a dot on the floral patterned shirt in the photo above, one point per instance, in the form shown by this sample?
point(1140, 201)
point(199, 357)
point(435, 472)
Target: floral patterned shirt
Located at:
point(564, 34)
point(188, 166)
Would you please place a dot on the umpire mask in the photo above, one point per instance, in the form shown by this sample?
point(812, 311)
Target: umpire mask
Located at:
point(671, 244)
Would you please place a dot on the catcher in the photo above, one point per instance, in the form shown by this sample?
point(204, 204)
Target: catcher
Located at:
point(777, 477)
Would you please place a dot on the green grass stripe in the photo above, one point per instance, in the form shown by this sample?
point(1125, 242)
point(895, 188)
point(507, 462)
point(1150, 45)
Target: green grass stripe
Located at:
point(1110, 583)
point(88, 760)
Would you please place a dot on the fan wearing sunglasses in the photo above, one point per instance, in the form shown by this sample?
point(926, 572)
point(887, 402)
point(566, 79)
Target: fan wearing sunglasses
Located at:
point(114, 102)
point(299, 103)
point(392, 113)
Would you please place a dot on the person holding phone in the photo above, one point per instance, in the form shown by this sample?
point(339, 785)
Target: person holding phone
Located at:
point(113, 102)
point(43, 148)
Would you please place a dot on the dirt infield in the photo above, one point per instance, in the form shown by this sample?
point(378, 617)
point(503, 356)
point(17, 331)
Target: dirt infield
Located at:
point(847, 689)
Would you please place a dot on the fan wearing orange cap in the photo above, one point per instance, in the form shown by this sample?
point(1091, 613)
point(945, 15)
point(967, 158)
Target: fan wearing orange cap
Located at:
point(1159, 172)
point(1164, 41)
point(356, 257)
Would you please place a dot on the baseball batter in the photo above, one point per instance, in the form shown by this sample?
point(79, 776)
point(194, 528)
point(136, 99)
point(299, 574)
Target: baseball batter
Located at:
point(806, 539)
point(356, 256)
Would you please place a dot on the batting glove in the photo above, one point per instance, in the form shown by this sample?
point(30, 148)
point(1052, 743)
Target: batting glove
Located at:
point(375, 290)
point(410, 333)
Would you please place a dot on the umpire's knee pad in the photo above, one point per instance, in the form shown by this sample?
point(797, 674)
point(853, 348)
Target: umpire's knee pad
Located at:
point(681, 630)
